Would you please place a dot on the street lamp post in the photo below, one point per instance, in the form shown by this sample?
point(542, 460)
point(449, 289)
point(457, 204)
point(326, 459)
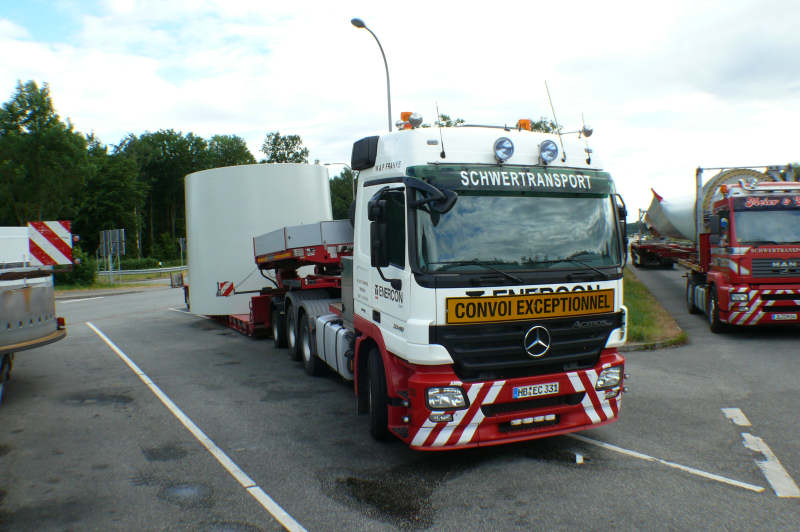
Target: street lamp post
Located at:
point(358, 23)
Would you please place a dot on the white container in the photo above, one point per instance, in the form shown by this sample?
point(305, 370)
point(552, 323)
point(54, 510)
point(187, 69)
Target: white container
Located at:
point(227, 207)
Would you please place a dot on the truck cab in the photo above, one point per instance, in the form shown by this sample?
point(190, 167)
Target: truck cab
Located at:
point(486, 285)
point(754, 255)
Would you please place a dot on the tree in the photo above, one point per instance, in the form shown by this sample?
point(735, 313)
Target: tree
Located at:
point(228, 150)
point(544, 125)
point(42, 160)
point(342, 194)
point(112, 199)
point(288, 149)
point(446, 121)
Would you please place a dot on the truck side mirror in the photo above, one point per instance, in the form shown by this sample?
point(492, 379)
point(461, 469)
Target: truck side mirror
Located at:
point(376, 208)
point(378, 251)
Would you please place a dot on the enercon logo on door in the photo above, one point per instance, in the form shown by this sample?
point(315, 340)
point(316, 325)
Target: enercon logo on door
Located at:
point(526, 307)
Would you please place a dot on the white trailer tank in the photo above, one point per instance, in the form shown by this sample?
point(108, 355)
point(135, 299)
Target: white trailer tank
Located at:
point(227, 207)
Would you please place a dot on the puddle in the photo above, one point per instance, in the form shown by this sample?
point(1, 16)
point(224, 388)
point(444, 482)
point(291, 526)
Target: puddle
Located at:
point(165, 453)
point(187, 495)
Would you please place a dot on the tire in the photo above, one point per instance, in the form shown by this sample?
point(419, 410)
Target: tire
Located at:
point(714, 323)
point(635, 259)
point(377, 399)
point(311, 362)
point(291, 333)
point(690, 306)
point(278, 325)
point(5, 375)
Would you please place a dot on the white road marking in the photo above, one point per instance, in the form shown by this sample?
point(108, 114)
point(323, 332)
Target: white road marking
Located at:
point(76, 300)
point(737, 416)
point(779, 479)
point(648, 458)
point(241, 477)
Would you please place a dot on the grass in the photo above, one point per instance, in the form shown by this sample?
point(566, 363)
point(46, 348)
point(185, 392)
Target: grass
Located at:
point(648, 321)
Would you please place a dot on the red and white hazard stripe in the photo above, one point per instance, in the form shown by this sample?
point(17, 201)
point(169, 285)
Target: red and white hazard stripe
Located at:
point(224, 289)
point(462, 429)
point(755, 312)
point(50, 243)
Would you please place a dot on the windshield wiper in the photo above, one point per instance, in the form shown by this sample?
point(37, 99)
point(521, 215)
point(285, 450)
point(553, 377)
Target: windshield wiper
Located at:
point(480, 263)
point(574, 261)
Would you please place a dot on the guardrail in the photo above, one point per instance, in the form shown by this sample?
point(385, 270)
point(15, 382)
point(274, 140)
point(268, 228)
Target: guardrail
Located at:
point(171, 269)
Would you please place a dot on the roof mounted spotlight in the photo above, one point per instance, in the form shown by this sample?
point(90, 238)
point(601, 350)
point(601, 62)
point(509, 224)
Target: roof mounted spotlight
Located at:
point(548, 151)
point(503, 149)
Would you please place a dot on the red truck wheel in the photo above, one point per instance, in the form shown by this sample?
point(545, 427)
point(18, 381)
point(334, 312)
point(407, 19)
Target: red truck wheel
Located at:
point(690, 306)
point(278, 325)
point(311, 362)
point(714, 323)
point(291, 334)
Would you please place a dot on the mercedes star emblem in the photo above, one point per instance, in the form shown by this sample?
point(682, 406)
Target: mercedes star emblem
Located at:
point(537, 341)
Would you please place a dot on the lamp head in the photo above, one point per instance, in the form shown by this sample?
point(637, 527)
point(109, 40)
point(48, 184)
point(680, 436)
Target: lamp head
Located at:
point(358, 23)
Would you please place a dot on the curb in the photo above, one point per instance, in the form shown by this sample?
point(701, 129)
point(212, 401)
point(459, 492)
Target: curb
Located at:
point(676, 341)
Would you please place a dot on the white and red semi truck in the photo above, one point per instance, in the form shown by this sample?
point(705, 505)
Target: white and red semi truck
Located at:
point(475, 298)
point(739, 238)
point(27, 298)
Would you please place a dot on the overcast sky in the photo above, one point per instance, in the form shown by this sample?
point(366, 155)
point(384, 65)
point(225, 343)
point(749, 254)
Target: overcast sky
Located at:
point(666, 86)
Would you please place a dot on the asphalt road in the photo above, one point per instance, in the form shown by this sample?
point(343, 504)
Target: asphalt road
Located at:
point(86, 444)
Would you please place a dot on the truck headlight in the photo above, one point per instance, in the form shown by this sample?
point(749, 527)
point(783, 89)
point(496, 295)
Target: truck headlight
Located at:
point(739, 297)
point(503, 149)
point(446, 398)
point(548, 151)
point(609, 378)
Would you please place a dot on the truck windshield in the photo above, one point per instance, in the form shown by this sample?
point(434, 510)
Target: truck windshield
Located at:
point(774, 226)
point(519, 232)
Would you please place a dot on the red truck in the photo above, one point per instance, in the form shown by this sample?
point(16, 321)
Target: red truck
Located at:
point(739, 240)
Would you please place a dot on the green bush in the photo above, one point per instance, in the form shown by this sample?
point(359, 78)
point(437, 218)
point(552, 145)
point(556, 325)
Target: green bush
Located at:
point(139, 264)
point(82, 272)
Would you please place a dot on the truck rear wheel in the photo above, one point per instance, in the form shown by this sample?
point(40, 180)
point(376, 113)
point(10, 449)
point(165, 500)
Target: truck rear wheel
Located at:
point(714, 323)
point(377, 398)
point(5, 374)
point(690, 306)
point(291, 334)
point(311, 362)
point(278, 325)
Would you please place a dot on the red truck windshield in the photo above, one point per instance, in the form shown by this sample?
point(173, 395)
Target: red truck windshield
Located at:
point(767, 225)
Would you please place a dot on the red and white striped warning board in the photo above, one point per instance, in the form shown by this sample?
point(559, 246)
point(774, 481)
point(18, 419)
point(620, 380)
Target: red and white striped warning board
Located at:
point(224, 289)
point(50, 242)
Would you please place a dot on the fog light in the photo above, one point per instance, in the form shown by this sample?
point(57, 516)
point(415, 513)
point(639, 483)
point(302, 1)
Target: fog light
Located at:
point(503, 149)
point(548, 151)
point(739, 297)
point(445, 398)
point(441, 418)
point(609, 378)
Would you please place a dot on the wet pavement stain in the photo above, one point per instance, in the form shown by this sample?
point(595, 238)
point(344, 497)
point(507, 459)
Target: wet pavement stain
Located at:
point(231, 363)
point(164, 453)
point(230, 526)
point(51, 514)
point(187, 495)
point(97, 398)
point(400, 496)
point(5, 449)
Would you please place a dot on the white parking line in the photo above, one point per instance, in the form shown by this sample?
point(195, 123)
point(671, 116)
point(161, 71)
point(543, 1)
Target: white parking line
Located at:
point(736, 416)
point(687, 469)
point(779, 479)
point(230, 466)
point(76, 300)
point(173, 309)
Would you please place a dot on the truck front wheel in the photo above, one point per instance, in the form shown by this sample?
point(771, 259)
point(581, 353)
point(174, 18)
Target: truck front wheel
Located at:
point(377, 398)
point(714, 323)
point(690, 306)
point(5, 374)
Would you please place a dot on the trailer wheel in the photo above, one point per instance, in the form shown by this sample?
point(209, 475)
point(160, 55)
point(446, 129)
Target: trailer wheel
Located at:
point(714, 323)
point(635, 259)
point(291, 333)
point(311, 362)
point(377, 398)
point(278, 324)
point(690, 306)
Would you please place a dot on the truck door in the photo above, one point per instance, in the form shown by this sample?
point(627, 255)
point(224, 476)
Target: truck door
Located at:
point(390, 285)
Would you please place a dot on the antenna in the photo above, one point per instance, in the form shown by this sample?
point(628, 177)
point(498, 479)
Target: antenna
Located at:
point(558, 128)
point(439, 121)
